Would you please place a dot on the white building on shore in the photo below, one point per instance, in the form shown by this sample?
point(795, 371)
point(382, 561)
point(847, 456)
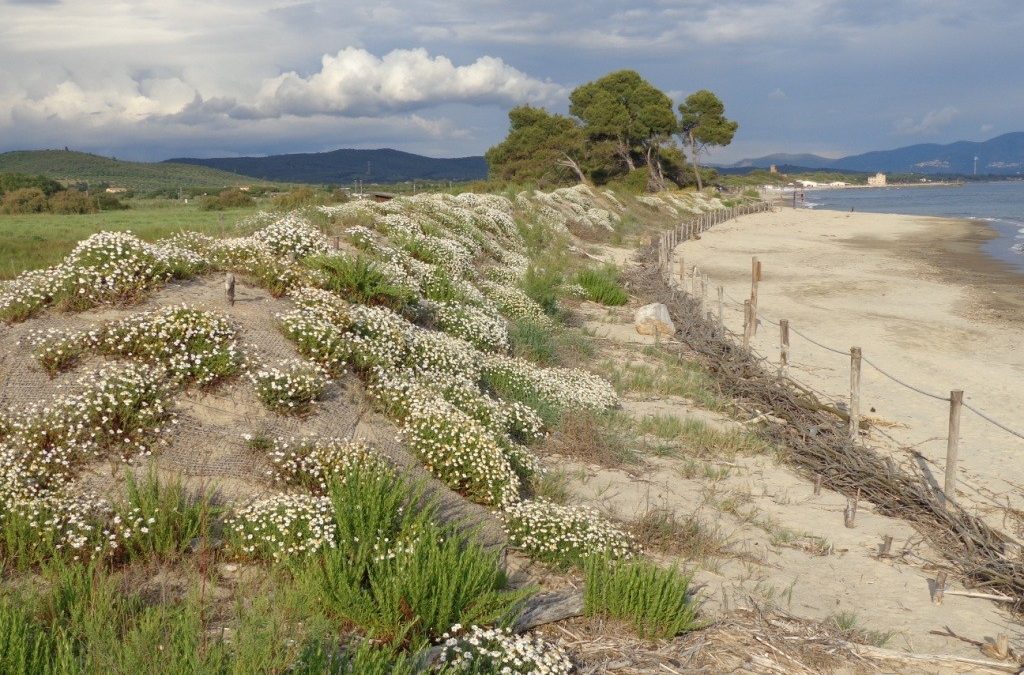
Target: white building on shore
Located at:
point(878, 180)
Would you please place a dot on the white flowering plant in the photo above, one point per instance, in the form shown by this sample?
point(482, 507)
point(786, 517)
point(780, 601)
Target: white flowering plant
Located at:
point(565, 535)
point(192, 345)
point(482, 330)
point(497, 651)
point(117, 409)
point(314, 463)
point(281, 527)
point(290, 388)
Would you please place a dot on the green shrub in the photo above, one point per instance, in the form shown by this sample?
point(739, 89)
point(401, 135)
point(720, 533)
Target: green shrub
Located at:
point(294, 198)
point(399, 575)
point(359, 280)
point(602, 285)
point(27, 647)
point(106, 201)
point(232, 198)
point(655, 601)
point(24, 200)
point(72, 202)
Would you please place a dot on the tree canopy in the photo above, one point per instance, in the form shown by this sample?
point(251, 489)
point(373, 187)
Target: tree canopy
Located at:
point(541, 148)
point(617, 125)
point(703, 124)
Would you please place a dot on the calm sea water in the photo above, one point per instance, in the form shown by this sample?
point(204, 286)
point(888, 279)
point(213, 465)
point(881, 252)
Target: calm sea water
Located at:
point(1001, 205)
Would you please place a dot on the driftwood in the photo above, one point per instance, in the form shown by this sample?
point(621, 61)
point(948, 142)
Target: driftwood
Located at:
point(815, 442)
point(548, 608)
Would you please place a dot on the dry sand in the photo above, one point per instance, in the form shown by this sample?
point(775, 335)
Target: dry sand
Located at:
point(920, 299)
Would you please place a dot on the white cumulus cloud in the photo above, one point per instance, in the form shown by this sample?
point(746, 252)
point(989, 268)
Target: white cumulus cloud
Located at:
point(355, 83)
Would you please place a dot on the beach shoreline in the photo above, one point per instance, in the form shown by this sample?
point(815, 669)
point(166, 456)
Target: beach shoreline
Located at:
point(917, 294)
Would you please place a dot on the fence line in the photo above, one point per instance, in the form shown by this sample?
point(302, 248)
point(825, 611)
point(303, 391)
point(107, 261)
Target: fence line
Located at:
point(695, 226)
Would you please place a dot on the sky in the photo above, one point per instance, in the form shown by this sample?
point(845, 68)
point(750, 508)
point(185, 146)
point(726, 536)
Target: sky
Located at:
point(153, 79)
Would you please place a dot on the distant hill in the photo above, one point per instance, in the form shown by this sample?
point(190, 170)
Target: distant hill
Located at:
point(69, 166)
point(1000, 156)
point(783, 159)
point(344, 166)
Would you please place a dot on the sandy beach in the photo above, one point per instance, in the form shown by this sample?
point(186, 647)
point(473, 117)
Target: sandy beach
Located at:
point(920, 299)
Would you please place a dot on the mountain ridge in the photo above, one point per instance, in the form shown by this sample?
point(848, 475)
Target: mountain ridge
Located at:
point(344, 165)
point(1002, 155)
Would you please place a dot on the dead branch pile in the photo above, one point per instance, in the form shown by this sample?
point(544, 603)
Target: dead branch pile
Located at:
point(815, 442)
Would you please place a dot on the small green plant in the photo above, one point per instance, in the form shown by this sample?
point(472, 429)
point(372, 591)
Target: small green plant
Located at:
point(602, 285)
point(533, 341)
point(358, 279)
point(160, 518)
point(654, 601)
point(542, 286)
point(397, 574)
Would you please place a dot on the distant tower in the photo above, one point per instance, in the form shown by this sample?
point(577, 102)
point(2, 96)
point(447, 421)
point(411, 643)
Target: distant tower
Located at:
point(975, 165)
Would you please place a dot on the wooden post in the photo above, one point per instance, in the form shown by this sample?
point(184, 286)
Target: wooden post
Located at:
point(755, 276)
point(956, 401)
point(817, 485)
point(335, 243)
point(783, 346)
point(886, 549)
point(682, 273)
point(229, 288)
point(693, 280)
point(855, 358)
point(940, 588)
point(703, 292)
point(1002, 645)
point(721, 304)
point(850, 514)
point(746, 324)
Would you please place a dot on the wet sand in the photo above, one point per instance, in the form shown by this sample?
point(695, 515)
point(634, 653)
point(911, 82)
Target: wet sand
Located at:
point(919, 297)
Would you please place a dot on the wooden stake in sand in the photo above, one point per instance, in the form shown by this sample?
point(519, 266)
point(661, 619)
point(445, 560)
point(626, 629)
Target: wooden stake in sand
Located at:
point(721, 303)
point(783, 346)
point(747, 320)
point(755, 276)
point(855, 359)
point(940, 588)
point(850, 513)
point(229, 288)
point(956, 401)
point(682, 273)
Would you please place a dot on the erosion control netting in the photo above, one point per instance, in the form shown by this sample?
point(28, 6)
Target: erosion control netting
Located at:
point(208, 446)
point(816, 443)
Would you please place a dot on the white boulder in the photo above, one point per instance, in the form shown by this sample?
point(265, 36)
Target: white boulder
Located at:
point(653, 319)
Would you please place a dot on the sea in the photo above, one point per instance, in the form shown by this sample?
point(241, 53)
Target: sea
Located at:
point(998, 204)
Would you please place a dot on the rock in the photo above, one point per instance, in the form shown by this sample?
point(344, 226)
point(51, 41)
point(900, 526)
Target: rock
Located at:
point(653, 319)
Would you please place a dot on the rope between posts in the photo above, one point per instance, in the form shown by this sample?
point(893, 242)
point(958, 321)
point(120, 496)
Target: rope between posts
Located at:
point(995, 422)
point(905, 384)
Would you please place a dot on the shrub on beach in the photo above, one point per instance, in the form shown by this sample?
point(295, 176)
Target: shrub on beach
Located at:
point(497, 650)
point(602, 285)
point(281, 527)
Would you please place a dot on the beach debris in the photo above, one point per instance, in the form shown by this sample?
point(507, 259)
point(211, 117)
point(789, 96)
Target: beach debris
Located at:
point(653, 319)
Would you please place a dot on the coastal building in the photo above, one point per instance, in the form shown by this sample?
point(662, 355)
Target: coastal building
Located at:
point(878, 180)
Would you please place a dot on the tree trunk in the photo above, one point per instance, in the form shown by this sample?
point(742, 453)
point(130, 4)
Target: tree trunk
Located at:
point(626, 156)
point(569, 162)
point(696, 164)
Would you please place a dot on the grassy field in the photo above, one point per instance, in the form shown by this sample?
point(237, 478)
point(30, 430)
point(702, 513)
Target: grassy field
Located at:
point(36, 240)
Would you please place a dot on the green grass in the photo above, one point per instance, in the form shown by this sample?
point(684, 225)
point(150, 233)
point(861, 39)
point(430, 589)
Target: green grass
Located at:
point(654, 601)
point(542, 286)
point(669, 375)
point(700, 439)
point(39, 240)
point(602, 285)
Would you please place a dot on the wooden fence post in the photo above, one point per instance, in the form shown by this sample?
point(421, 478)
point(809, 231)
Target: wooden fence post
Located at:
point(956, 401)
point(755, 276)
point(682, 273)
point(721, 303)
point(229, 288)
point(855, 359)
point(783, 346)
point(746, 324)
